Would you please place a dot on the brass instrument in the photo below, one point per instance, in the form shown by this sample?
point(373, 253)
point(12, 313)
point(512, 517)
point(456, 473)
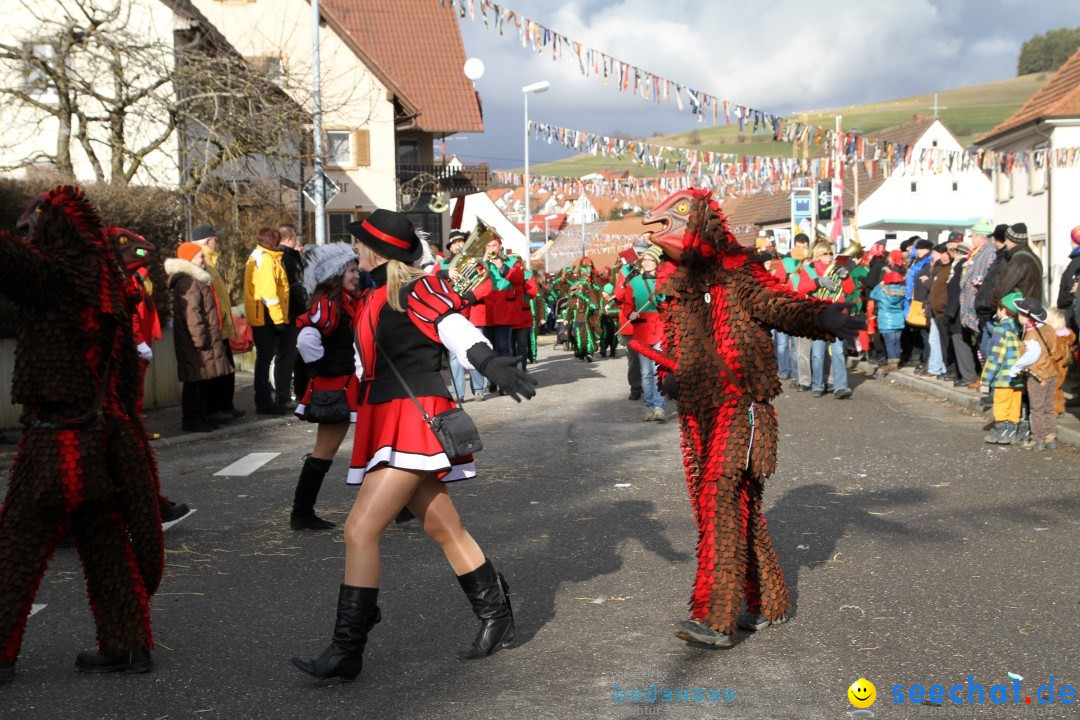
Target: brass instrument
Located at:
point(468, 262)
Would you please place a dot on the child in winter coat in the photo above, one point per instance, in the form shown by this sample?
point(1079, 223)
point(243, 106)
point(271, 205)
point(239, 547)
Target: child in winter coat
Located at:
point(888, 296)
point(1061, 352)
point(1036, 364)
point(1008, 389)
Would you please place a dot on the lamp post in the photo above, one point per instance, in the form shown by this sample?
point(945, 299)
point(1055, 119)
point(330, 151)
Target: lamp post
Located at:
point(536, 87)
point(316, 122)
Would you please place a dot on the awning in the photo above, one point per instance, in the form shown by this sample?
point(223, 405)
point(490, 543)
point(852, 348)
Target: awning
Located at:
point(919, 225)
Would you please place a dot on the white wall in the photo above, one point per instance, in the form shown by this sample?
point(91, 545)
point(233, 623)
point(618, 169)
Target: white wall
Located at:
point(1065, 213)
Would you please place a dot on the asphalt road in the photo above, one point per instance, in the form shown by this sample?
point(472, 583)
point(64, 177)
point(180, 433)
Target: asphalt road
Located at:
point(915, 554)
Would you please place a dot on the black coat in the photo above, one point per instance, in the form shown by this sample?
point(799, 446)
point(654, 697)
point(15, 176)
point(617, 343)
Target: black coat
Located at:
point(1022, 273)
point(1066, 299)
point(294, 272)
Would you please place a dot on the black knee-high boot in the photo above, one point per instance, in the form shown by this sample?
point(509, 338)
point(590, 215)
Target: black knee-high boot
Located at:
point(303, 515)
point(357, 613)
point(490, 598)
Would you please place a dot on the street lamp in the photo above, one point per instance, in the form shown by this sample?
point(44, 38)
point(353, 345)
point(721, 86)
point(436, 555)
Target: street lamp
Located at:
point(536, 87)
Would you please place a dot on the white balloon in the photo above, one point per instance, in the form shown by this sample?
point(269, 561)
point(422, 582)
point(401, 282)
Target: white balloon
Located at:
point(474, 68)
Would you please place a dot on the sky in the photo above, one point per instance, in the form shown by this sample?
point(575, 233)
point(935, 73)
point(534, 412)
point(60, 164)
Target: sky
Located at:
point(779, 56)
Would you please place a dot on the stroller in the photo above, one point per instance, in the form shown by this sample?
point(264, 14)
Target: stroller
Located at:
point(562, 330)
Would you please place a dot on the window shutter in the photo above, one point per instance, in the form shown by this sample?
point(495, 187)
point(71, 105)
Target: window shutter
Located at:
point(361, 147)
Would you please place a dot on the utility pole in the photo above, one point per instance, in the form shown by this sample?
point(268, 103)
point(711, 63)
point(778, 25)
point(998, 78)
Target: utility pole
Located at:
point(316, 122)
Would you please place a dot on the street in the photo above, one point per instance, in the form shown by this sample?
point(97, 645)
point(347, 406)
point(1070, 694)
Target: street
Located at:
point(915, 554)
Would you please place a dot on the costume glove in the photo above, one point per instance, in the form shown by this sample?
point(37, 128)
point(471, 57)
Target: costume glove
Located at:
point(828, 283)
point(145, 353)
point(838, 323)
point(501, 371)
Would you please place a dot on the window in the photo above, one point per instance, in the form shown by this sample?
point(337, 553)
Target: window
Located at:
point(336, 222)
point(348, 148)
point(914, 186)
point(1004, 186)
point(338, 148)
point(1037, 174)
point(408, 152)
point(38, 82)
point(273, 66)
point(934, 143)
point(955, 186)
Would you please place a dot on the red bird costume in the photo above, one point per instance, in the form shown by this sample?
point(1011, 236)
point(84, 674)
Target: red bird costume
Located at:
point(718, 360)
point(84, 463)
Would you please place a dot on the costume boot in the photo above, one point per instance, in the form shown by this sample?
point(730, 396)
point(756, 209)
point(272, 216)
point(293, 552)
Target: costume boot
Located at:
point(357, 613)
point(303, 515)
point(490, 598)
point(135, 661)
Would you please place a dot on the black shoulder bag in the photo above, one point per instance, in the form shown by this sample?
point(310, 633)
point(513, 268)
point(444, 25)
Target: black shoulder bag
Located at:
point(454, 429)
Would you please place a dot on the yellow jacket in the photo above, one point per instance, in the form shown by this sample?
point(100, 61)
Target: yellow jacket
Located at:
point(266, 288)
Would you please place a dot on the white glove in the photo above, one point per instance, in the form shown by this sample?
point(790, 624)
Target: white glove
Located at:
point(145, 353)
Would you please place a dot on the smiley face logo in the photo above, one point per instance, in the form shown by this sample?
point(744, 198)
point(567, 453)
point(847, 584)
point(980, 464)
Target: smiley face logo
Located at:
point(862, 693)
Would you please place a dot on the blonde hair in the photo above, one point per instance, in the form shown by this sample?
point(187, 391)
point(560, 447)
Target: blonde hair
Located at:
point(398, 275)
point(1055, 318)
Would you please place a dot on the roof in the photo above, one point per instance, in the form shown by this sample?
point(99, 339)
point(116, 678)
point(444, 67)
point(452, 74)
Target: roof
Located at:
point(1058, 97)
point(417, 43)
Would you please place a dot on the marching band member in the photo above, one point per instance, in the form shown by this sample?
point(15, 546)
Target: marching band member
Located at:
point(407, 322)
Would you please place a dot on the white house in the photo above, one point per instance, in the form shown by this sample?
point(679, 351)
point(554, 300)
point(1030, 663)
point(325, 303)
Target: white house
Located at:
point(1034, 192)
point(927, 203)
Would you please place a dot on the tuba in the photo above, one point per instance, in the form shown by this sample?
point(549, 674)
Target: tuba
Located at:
point(469, 262)
point(838, 272)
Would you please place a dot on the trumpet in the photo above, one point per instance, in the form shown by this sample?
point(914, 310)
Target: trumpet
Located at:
point(468, 263)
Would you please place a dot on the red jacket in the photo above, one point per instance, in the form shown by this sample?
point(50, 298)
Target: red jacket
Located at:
point(502, 306)
point(528, 292)
point(647, 329)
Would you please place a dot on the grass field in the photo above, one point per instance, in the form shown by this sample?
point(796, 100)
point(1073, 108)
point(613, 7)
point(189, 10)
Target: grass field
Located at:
point(969, 112)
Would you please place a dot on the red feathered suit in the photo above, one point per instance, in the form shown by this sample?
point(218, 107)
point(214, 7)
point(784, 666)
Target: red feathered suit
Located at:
point(84, 463)
point(720, 306)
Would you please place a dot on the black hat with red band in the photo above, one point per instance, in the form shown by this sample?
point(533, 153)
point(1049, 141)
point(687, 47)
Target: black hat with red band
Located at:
point(388, 233)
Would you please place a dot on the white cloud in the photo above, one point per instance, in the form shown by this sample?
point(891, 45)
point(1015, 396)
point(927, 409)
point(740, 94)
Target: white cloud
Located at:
point(778, 56)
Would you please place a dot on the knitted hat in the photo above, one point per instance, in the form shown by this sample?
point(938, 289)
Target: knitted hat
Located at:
point(187, 251)
point(1010, 300)
point(896, 257)
point(892, 277)
point(322, 262)
point(982, 227)
point(1076, 235)
point(202, 232)
point(389, 233)
point(1032, 308)
point(923, 244)
point(655, 252)
point(1017, 233)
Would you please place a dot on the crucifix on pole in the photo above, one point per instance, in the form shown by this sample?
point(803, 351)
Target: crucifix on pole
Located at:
point(938, 107)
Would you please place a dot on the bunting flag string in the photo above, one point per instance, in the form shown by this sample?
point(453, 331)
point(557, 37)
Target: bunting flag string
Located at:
point(752, 174)
point(656, 88)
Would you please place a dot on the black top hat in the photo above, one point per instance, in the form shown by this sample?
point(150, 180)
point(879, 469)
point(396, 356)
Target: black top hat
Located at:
point(388, 233)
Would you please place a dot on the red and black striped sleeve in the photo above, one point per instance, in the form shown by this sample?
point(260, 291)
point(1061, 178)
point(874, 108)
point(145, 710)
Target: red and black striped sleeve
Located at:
point(430, 300)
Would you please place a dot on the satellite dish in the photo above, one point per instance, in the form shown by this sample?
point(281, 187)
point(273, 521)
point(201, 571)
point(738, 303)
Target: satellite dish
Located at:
point(474, 68)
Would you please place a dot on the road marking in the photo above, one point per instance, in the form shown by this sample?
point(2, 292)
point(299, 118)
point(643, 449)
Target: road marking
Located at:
point(36, 608)
point(247, 464)
point(166, 526)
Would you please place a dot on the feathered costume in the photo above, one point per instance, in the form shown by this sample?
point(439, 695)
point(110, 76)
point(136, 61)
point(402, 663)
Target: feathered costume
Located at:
point(84, 462)
point(718, 359)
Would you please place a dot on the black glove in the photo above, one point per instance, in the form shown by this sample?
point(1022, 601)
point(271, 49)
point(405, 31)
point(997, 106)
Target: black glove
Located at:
point(828, 283)
point(671, 387)
point(502, 371)
point(838, 323)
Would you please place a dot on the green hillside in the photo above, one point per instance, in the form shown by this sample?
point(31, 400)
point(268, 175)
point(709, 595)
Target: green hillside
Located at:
point(969, 112)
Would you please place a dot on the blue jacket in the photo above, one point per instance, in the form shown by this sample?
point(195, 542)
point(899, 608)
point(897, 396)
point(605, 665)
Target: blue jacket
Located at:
point(890, 306)
point(909, 281)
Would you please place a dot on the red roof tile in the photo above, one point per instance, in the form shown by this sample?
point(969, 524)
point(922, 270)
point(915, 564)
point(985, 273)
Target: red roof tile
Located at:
point(418, 45)
point(1058, 97)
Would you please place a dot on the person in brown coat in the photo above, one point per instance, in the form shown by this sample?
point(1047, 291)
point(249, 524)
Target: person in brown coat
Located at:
point(200, 356)
point(939, 297)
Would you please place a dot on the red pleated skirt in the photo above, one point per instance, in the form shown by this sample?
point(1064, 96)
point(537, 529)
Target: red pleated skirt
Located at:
point(394, 434)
